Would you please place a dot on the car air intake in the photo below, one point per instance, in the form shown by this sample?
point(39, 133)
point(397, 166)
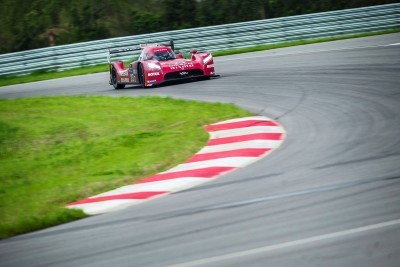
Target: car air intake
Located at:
point(183, 74)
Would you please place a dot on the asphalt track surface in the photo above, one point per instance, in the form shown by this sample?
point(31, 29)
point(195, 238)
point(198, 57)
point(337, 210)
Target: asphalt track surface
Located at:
point(329, 196)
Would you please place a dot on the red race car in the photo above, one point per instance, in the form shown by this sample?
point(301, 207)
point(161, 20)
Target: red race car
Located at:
point(158, 63)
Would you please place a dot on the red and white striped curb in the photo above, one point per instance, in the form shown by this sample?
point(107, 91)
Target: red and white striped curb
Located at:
point(232, 144)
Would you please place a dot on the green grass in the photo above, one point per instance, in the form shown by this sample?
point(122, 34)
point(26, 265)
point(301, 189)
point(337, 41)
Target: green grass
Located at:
point(43, 75)
point(57, 150)
point(48, 75)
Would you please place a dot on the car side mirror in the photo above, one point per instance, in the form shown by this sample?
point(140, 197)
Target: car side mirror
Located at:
point(150, 58)
point(179, 56)
point(193, 51)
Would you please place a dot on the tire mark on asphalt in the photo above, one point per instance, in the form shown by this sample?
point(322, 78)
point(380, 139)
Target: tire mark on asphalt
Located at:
point(356, 161)
point(200, 229)
point(256, 200)
point(303, 97)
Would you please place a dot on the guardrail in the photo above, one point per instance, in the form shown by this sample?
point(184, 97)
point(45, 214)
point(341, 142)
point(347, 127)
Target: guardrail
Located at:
point(212, 38)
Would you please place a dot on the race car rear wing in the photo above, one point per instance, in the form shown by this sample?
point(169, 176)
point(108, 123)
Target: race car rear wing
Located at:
point(140, 47)
point(120, 51)
point(169, 43)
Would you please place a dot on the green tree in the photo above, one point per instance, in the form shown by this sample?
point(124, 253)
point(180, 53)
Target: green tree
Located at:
point(179, 14)
point(145, 22)
point(26, 24)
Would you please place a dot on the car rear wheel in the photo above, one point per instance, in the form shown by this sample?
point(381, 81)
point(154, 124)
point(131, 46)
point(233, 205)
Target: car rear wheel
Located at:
point(114, 80)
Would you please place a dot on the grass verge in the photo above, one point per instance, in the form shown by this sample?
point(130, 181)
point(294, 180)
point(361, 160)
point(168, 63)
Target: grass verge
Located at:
point(57, 150)
point(48, 75)
point(42, 75)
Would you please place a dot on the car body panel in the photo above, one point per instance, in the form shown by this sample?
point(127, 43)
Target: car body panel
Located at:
point(160, 64)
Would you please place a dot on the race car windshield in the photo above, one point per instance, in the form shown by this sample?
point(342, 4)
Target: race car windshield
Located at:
point(163, 55)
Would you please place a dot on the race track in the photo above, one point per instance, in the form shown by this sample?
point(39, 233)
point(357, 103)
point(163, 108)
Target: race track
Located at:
point(329, 196)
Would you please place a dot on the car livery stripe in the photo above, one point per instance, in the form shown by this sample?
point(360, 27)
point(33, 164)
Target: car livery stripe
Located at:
point(232, 144)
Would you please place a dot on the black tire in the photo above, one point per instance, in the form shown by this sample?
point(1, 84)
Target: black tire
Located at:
point(114, 80)
point(141, 75)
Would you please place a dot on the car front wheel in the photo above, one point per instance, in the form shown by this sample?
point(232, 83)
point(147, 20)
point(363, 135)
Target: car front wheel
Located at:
point(141, 76)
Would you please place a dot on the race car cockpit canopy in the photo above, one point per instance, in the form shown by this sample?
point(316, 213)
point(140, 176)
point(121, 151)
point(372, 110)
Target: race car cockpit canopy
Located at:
point(157, 53)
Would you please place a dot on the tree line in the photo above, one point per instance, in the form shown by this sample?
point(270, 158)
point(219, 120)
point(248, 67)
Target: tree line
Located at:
point(33, 24)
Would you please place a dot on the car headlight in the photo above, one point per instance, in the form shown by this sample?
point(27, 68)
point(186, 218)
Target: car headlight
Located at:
point(153, 66)
point(207, 59)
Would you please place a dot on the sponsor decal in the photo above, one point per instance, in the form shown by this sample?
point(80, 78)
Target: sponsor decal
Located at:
point(152, 81)
point(183, 73)
point(131, 70)
point(153, 74)
point(210, 66)
point(125, 80)
point(182, 66)
point(123, 73)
